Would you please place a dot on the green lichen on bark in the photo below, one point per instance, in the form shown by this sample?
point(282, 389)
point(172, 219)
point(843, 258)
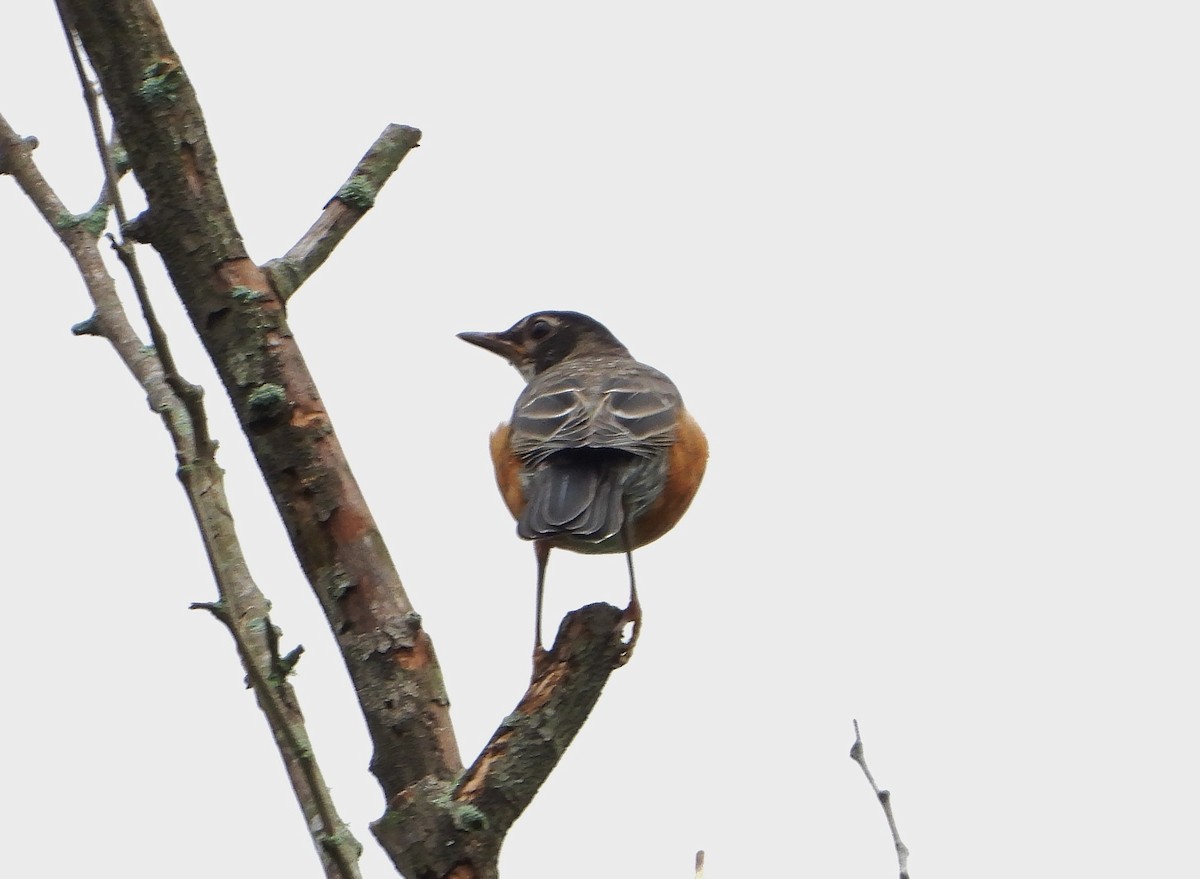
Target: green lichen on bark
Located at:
point(267, 400)
point(160, 82)
point(246, 294)
point(358, 192)
point(93, 221)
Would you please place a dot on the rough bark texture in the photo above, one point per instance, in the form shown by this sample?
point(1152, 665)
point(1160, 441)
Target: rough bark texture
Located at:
point(440, 821)
point(461, 826)
point(355, 197)
point(242, 324)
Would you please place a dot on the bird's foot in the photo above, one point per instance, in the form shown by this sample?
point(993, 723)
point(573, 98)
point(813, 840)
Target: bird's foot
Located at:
point(631, 616)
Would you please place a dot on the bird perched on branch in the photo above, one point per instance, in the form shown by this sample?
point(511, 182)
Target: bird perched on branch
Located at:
point(600, 455)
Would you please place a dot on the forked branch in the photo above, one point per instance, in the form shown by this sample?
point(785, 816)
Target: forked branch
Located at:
point(440, 821)
point(243, 608)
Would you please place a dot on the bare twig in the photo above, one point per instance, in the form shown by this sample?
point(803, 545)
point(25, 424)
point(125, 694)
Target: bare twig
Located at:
point(191, 395)
point(92, 101)
point(343, 211)
point(238, 593)
point(885, 800)
point(333, 835)
point(243, 328)
point(119, 160)
point(243, 605)
point(109, 318)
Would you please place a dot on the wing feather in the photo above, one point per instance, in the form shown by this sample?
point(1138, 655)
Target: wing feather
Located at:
point(628, 406)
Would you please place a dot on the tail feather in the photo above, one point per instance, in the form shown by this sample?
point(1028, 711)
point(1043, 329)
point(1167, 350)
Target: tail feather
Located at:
point(566, 495)
point(576, 495)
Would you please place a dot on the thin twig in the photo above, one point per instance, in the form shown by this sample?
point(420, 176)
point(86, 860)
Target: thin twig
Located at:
point(181, 407)
point(885, 800)
point(191, 395)
point(109, 318)
point(240, 597)
point(120, 162)
point(268, 698)
point(387, 652)
point(343, 211)
point(92, 101)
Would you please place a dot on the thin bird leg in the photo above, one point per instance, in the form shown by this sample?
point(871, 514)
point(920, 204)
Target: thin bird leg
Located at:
point(541, 549)
point(633, 613)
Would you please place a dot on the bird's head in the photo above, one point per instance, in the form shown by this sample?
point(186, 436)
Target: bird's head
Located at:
point(546, 338)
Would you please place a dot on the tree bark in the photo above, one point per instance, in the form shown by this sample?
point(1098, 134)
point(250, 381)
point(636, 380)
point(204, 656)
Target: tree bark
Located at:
point(242, 324)
point(440, 820)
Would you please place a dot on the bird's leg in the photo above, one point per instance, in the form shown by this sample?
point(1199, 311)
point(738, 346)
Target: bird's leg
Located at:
point(633, 613)
point(541, 549)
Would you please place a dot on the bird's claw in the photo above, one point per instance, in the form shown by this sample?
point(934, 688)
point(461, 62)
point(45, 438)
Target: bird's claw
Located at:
point(632, 615)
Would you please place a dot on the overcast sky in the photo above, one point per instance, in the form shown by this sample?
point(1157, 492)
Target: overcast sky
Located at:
point(925, 272)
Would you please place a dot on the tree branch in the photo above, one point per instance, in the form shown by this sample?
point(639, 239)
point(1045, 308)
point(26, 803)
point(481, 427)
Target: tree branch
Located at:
point(242, 325)
point(343, 211)
point(243, 608)
point(191, 395)
point(885, 800)
point(447, 826)
point(440, 821)
point(339, 850)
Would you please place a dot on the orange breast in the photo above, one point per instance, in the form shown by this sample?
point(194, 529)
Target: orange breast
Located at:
point(685, 469)
point(508, 470)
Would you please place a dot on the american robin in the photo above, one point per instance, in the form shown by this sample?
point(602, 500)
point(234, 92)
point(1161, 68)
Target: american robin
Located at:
point(600, 455)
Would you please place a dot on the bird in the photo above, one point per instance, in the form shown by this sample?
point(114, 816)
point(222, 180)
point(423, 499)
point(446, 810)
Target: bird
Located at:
point(600, 454)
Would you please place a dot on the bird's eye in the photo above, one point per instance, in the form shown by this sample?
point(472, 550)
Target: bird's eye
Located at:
point(540, 329)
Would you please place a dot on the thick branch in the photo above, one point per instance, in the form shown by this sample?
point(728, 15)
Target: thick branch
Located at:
point(241, 323)
point(461, 826)
point(343, 211)
point(439, 821)
point(243, 606)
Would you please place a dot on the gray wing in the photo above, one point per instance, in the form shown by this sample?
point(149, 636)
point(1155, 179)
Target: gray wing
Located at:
point(626, 406)
point(589, 431)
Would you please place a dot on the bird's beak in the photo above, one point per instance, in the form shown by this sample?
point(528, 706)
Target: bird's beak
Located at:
point(497, 343)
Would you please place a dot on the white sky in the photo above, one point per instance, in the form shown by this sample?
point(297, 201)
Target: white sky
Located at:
point(926, 272)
